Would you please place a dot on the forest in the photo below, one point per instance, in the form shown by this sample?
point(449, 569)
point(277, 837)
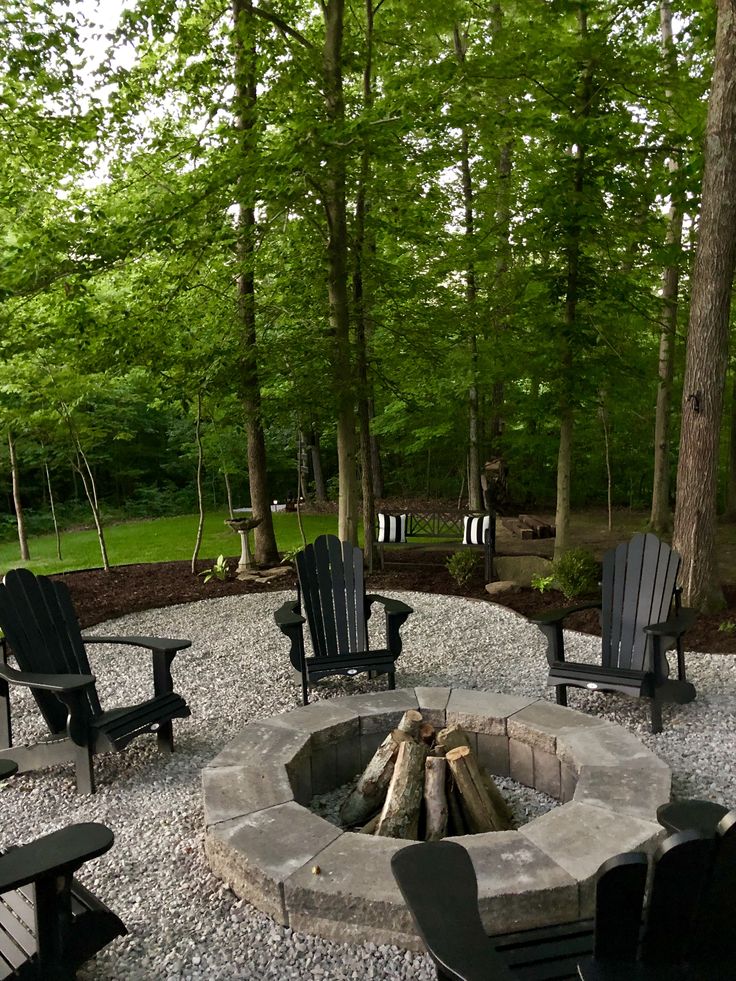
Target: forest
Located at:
point(356, 248)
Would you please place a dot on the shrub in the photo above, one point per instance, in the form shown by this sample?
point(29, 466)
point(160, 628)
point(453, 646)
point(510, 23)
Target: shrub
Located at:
point(576, 573)
point(220, 570)
point(461, 566)
point(543, 583)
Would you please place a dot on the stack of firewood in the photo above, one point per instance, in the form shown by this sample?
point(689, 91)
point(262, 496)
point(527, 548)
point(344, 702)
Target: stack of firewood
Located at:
point(425, 785)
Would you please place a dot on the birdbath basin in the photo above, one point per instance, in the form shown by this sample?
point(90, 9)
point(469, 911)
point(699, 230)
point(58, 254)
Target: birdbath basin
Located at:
point(243, 527)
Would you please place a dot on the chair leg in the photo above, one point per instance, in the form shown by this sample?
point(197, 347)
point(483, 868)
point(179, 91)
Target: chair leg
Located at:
point(391, 681)
point(561, 694)
point(165, 737)
point(84, 767)
point(656, 714)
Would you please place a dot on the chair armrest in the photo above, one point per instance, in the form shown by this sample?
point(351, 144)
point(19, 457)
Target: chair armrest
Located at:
point(56, 683)
point(391, 606)
point(288, 615)
point(148, 643)
point(557, 616)
point(60, 853)
point(675, 626)
point(396, 614)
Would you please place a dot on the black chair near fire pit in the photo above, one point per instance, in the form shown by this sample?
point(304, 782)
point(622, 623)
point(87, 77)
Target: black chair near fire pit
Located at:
point(641, 619)
point(335, 605)
point(682, 930)
point(41, 627)
point(50, 924)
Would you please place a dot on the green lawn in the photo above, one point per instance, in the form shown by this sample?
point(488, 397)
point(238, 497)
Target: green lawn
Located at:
point(154, 540)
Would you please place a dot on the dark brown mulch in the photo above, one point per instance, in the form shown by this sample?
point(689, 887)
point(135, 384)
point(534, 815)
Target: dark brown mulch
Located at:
point(100, 596)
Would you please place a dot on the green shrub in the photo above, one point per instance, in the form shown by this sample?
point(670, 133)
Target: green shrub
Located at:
point(220, 570)
point(461, 566)
point(576, 573)
point(543, 583)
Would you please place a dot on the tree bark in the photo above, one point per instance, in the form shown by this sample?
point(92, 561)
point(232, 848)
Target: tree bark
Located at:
point(730, 513)
point(17, 503)
point(245, 100)
point(707, 343)
point(660, 516)
point(337, 275)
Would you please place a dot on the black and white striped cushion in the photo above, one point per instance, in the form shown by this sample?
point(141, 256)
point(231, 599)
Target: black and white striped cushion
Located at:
point(391, 527)
point(474, 530)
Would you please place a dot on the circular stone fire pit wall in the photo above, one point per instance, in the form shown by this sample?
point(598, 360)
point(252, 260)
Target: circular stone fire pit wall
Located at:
point(310, 875)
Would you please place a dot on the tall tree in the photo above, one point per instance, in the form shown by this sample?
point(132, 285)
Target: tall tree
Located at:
point(707, 342)
point(660, 516)
point(337, 268)
point(266, 552)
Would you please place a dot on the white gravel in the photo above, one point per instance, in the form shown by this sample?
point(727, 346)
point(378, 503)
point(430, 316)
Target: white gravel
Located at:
point(182, 921)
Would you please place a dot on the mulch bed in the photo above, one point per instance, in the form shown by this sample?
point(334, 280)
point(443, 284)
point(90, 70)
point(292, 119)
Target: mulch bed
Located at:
point(100, 596)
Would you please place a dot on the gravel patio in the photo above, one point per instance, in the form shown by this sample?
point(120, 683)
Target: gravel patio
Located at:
point(185, 924)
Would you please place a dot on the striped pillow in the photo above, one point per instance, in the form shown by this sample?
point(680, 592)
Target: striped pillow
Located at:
point(475, 530)
point(391, 527)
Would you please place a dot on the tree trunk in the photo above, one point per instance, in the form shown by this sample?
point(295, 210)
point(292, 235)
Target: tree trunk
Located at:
point(376, 464)
point(266, 552)
point(707, 343)
point(660, 517)
point(503, 226)
point(475, 493)
point(730, 513)
point(198, 482)
point(564, 455)
point(53, 512)
point(320, 488)
point(337, 275)
point(361, 299)
point(17, 503)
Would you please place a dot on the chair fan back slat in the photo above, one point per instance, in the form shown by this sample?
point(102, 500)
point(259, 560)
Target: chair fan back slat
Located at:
point(630, 607)
point(306, 564)
point(326, 600)
point(346, 557)
point(361, 626)
point(337, 592)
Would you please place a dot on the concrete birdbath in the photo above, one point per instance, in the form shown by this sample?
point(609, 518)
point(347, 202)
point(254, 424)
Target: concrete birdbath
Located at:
point(243, 526)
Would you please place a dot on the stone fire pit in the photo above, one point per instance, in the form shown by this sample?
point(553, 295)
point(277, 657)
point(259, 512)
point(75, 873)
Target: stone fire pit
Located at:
point(312, 876)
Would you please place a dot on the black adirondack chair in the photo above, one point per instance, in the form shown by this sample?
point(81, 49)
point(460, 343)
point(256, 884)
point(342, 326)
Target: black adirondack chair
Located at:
point(41, 627)
point(50, 924)
point(685, 934)
point(332, 595)
point(641, 619)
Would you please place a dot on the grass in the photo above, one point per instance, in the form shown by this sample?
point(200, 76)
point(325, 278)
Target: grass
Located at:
point(154, 540)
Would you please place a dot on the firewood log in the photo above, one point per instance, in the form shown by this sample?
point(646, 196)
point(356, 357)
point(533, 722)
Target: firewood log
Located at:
point(454, 736)
point(410, 723)
point(455, 821)
point(435, 798)
point(371, 788)
point(400, 814)
point(477, 806)
point(369, 828)
point(427, 733)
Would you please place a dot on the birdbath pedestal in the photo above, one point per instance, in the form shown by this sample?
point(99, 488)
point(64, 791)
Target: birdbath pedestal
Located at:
point(243, 527)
